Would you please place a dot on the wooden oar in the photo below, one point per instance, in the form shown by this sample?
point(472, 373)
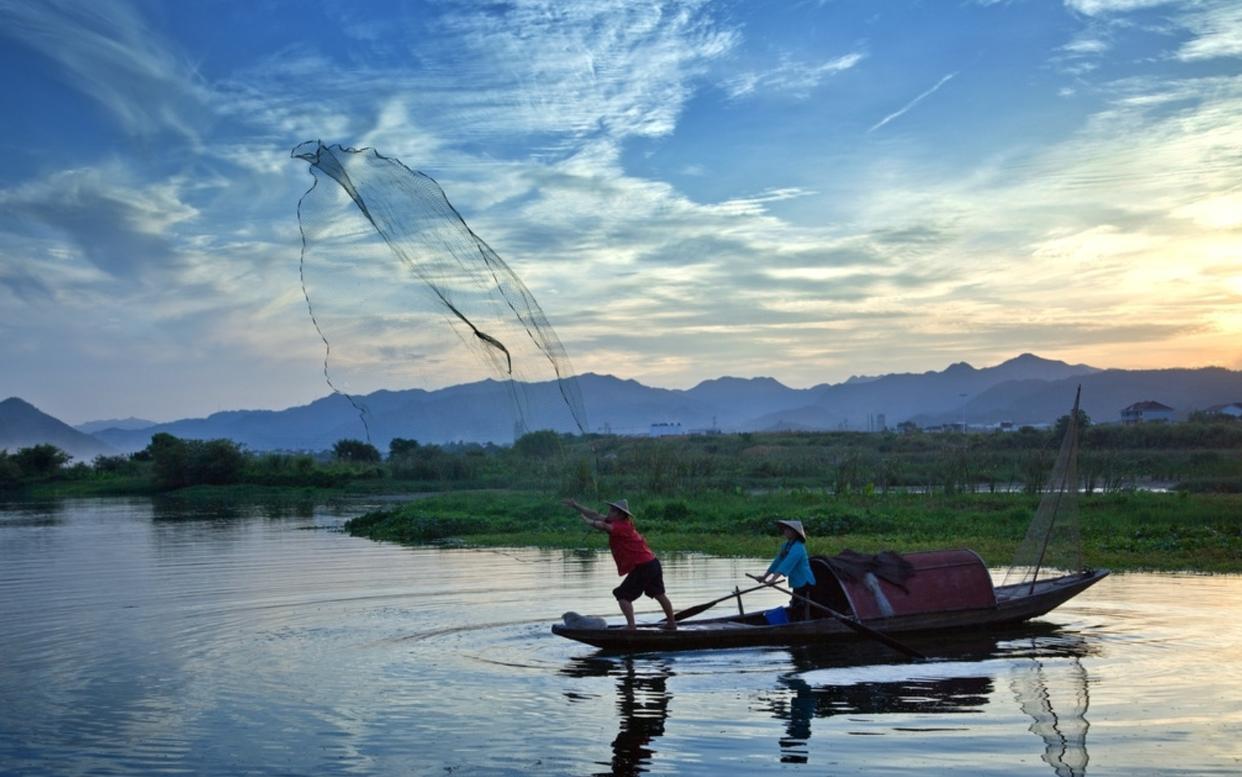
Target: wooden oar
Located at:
point(690, 612)
point(848, 621)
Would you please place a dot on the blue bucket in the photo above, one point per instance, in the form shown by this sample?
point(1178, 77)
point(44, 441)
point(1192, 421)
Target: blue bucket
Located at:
point(776, 616)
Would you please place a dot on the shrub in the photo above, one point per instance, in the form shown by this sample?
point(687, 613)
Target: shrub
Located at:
point(40, 461)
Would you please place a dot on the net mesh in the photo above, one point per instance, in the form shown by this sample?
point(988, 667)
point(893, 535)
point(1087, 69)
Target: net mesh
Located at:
point(397, 283)
point(1053, 542)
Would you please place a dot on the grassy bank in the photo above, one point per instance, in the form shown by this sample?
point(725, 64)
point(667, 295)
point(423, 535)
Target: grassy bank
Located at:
point(1123, 531)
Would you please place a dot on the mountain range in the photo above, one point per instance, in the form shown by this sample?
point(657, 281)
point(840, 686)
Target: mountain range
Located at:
point(23, 425)
point(1023, 390)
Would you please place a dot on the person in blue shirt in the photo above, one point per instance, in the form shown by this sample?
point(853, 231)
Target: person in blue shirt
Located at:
point(792, 562)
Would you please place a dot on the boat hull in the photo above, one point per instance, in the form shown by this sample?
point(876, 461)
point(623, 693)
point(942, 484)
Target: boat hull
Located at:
point(1014, 604)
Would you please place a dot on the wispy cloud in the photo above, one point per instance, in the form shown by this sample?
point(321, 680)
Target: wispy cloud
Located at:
point(1086, 44)
point(579, 68)
point(1215, 25)
point(120, 227)
point(796, 79)
point(1103, 7)
point(905, 108)
point(109, 54)
point(1217, 29)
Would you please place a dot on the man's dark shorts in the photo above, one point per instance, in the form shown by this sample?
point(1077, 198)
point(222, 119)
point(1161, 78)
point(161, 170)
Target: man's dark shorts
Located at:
point(646, 578)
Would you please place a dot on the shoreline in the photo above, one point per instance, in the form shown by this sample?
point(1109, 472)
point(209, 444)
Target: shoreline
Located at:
point(1121, 531)
point(1134, 531)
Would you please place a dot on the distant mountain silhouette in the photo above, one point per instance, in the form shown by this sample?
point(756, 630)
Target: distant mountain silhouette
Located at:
point(902, 396)
point(23, 425)
point(1025, 389)
point(90, 427)
point(1104, 394)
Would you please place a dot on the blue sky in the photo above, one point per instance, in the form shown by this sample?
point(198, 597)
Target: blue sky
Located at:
point(805, 190)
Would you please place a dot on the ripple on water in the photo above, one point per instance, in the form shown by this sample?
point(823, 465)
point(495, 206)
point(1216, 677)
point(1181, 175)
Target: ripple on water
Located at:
point(141, 640)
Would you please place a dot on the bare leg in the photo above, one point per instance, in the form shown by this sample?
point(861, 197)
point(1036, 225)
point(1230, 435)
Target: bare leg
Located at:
point(627, 608)
point(670, 622)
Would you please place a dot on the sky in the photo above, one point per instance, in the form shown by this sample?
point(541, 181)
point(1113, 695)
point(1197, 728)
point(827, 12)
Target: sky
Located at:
point(801, 190)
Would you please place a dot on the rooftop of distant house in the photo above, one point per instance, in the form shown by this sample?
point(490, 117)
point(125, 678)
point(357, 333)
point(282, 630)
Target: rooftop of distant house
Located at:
point(1146, 405)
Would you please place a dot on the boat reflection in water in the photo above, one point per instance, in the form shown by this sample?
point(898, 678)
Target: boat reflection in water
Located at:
point(1040, 665)
point(642, 706)
point(1043, 671)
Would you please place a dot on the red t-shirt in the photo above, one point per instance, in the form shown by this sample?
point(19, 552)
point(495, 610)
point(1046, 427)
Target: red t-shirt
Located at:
point(629, 549)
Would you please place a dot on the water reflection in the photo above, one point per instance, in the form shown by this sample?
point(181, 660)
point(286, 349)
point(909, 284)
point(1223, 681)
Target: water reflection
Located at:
point(31, 514)
point(172, 508)
point(1044, 672)
point(642, 706)
point(800, 699)
point(1056, 697)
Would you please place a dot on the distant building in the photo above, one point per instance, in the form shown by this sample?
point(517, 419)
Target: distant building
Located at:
point(907, 427)
point(665, 429)
point(1146, 411)
point(1233, 409)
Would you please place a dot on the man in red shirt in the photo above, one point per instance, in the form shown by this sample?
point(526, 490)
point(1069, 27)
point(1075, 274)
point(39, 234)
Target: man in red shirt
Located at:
point(634, 559)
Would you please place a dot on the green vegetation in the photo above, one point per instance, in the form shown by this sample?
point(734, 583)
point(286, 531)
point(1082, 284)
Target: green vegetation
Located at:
point(1121, 531)
point(1200, 456)
point(718, 493)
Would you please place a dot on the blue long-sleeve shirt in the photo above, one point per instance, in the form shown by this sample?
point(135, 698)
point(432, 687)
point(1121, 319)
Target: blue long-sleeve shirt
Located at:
point(792, 562)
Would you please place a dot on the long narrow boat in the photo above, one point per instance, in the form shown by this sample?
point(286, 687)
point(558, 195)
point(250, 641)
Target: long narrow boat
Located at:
point(949, 592)
point(931, 592)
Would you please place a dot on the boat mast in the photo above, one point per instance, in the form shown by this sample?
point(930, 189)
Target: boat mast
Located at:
point(1070, 444)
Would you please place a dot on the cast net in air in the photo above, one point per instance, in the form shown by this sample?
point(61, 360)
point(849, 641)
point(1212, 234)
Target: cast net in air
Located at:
point(397, 283)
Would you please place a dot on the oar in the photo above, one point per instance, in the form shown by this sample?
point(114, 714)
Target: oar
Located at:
point(848, 621)
point(690, 612)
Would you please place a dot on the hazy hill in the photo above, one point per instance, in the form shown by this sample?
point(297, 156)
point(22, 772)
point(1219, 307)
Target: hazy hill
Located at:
point(1104, 394)
point(90, 427)
point(1026, 389)
point(904, 396)
point(23, 425)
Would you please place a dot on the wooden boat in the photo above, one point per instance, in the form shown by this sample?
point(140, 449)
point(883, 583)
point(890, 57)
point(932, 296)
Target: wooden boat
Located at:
point(946, 600)
point(946, 591)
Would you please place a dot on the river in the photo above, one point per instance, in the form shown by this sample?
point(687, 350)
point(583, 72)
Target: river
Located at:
point(153, 637)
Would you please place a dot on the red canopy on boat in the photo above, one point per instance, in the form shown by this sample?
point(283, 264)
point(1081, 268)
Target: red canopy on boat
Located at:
point(942, 581)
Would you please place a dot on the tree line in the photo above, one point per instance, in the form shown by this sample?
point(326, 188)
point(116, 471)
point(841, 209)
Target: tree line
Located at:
point(1205, 454)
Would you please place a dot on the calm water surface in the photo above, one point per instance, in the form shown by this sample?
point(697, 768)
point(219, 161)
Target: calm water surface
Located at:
point(141, 637)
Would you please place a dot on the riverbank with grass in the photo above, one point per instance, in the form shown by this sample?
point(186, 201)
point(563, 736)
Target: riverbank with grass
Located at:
point(1120, 531)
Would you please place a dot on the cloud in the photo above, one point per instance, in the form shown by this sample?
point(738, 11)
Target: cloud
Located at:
point(526, 113)
point(901, 111)
point(107, 52)
point(119, 226)
point(23, 285)
point(1222, 211)
point(1215, 25)
point(1104, 7)
point(1218, 32)
point(1086, 44)
point(757, 204)
point(575, 68)
point(796, 79)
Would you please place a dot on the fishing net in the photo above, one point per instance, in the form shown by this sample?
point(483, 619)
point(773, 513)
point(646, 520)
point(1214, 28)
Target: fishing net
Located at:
point(398, 286)
point(1053, 542)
